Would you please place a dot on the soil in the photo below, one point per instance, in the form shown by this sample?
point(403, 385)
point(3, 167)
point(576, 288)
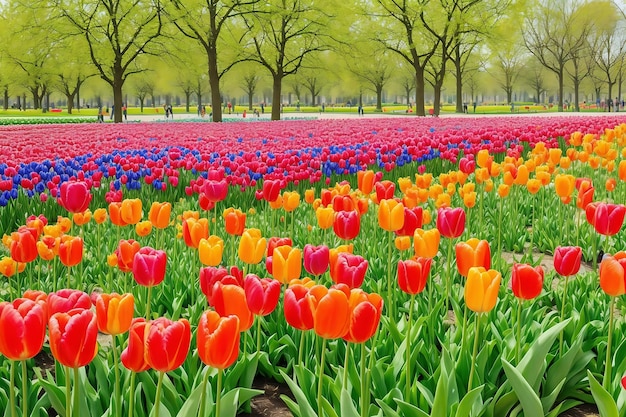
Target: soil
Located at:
point(585, 410)
point(269, 404)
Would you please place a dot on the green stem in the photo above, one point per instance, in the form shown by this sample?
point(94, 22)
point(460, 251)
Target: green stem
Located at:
point(258, 335)
point(563, 316)
point(69, 278)
point(12, 390)
point(519, 330)
point(244, 348)
point(131, 399)
point(320, 412)
point(345, 366)
point(609, 358)
point(203, 395)
point(474, 352)
point(301, 348)
point(68, 391)
point(408, 350)
point(218, 394)
point(30, 267)
point(594, 245)
point(76, 405)
point(532, 228)
point(148, 299)
point(24, 390)
point(500, 231)
point(449, 280)
point(157, 398)
point(116, 365)
point(464, 325)
point(364, 386)
point(389, 293)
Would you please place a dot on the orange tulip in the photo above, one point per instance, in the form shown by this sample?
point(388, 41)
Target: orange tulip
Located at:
point(195, 230)
point(100, 215)
point(143, 228)
point(73, 337)
point(621, 170)
point(81, 219)
point(286, 263)
point(167, 343)
point(402, 243)
point(159, 214)
point(564, 185)
point(133, 357)
point(115, 214)
point(114, 312)
point(309, 196)
point(218, 339)
point(613, 274)
point(291, 200)
point(211, 250)
point(469, 199)
point(125, 254)
point(391, 215)
point(365, 181)
point(325, 217)
point(503, 190)
point(426, 242)
point(8, 267)
point(331, 310)
point(365, 312)
point(71, 250)
point(278, 203)
point(252, 246)
point(23, 246)
point(235, 221)
point(130, 210)
point(472, 253)
point(610, 184)
point(229, 300)
point(481, 289)
point(533, 186)
point(48, 248)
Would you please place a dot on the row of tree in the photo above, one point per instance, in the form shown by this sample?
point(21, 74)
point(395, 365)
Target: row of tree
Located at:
point(58, 45)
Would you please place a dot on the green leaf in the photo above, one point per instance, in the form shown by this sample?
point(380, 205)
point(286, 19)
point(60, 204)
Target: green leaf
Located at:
point(604, 401)
point(467, 403)
point(387, 411)
point(440, 403)
point(527, 397)
point(328, 408)
point(230, 404)
point(56, 395)
point(347, 406)
point(303, 404)
point(192, 405)
point(410, 410)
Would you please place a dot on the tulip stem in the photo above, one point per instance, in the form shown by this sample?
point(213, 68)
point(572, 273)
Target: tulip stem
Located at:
point(345, 366)
point(594, 255)
point(12, 390)
point(449, 280)
point(364, 384)
point(609, 358)
point(258, 335)
point(408, 351)
point(76, 405)
point(148, 298)
point(474, 352)
point(30, 275)
point(203, 395)
point(563, 316)
point(320, 384)
point(464, 325)
point(24, 390)
point(218, 394)
point(301, 348)
point(116, 364)
point(69, 278)
point(389, 293)
point(157, 398)
point(131, 399)
point(68, 398)
point(500, 231)
point(519, 330)
point(293, 219)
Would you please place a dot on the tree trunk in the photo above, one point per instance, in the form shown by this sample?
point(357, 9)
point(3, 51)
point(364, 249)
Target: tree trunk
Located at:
point(78, 97)
point(118, 82)
point(276, 92)
point(187, 96)
point(214, 82)
point(250, 98)
point(35, 92)
point(576, 88)
point(560, 75)
point(6, 97)
point(459, 80)
point(70, 102)
point(509, 95)
point(379, 98)
point(141, 104)
point(437, 100)
point(419, 91)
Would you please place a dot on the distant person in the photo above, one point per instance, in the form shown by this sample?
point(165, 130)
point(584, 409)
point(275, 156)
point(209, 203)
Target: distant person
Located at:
point(465, 108)
point(262, 108)
point(230, 107)
point(125, 112)
point(598, 103)
point(512, 107)
point(202, 111)
point(169, 112)
point(616, 104)
point(610, 104)
point(199, 109)
point(323, 107)
point(360, 110)
point(100, 115)
point(112, 112)
point(474, 107)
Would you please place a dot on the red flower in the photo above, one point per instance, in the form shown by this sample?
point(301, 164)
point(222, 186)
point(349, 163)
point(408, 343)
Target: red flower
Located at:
point(451, 221)
point(384, 190)
point(271, 190)
point(347, 224)
point(65, 300)
point(526, 281)
point(23, 246)
point(73, 337)
point(74, 196)
point(316, 259)
point(215, 190)
point(567, 260)
point(297, 309)
point(167, 343)
point(413, 274)
point(412, 221)
point(606, 218)
point(22, 328)
point(348, 269)
point(365, 312)
point(133, 357)
point(149, 266)
point(218, 339)
point(261, 294)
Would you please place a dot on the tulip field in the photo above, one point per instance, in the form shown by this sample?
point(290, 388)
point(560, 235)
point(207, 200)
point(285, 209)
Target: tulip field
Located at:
point(376, 267)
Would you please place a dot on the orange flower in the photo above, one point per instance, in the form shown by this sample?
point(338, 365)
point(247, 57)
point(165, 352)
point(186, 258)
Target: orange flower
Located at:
point(365, 181)
point(426, 242)
point(218, 339)
point(503, 190)
point(211, 250)
point(143, 228)
point(114, 312)
point(100, 215)
point(621, 170)
point(564, 185)
point(125, 254)
point(278, 203)
point(48, 247)
point(403, 243)
point(83, 218)
point(23, 246)
point(235, 221)
point(309, 196)
point(252, 246)
point(472, 253)
point(195, 230)
point(325, 217)
point(291, 201)
point(533, 186)
point(130, 210)
point(391, 215)
point(229, 300)
point(610, 184)
point(331, 310)
point(73, 337)
point(483, 159)
point(365, 312)
point(469, 199)
point(612, 274)
point(481, 289)
point(286, 263)
point(159, 214)
point(115, 214)
point(71, 250)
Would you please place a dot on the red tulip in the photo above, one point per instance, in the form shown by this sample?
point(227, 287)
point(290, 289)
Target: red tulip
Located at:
point(412, 221)
point(167, 343)
point(297, 309)
point(261, 294)
point(347, 224)
point(526, 281)
point(23, 246)
point(73, 337)
point(413, 274)
point(384, 190)
point(567, 260)
point(133, 357)
point(365, 312)
point(316, 259)
point(348, 269)
point(231, 300)
point(65, 300)
point(74, 196)
point(215, 190)
point(218, 339)
point(271, 190)
point(451, 221)
point(208, 277)
point(149, 266)
point(606, 218)
point(274, 242)
point(22, 328)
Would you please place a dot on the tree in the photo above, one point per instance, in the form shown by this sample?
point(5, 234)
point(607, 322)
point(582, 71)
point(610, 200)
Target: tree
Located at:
point(249, 86)
point(144, 87)
point(509, 63)
point(407, 83)
point(208, 23)
point(312, 83)
point(118, 33)
point(553, 33)
point(536, 80)
point(375, 73)
point(282, 34)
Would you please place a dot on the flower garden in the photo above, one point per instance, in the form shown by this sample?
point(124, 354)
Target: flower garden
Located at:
point(377, 267)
